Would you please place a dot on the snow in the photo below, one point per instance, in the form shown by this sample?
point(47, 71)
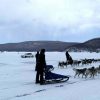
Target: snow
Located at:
point(17, 78)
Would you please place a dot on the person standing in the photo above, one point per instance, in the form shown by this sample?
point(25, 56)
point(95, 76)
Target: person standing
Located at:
point(37, 60)
point(41, 67)
point(69, 58)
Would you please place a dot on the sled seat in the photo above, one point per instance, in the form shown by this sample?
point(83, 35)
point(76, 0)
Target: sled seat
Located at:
point(54, 76)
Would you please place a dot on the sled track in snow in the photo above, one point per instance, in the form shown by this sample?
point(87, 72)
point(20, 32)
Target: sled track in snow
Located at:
point(46, 89)
point(38, 91)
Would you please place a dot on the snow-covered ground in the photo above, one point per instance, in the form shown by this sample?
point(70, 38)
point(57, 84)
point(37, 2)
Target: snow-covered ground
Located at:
point(17, 79)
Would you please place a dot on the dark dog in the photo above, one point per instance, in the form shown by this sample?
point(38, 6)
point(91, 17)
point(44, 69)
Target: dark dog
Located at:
point(79, 72)
point(98, 70)
point(62, 64)
point(76, 63)
point(91, 71)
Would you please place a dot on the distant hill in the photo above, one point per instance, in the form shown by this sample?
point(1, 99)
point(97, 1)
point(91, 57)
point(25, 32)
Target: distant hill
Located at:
point(36, 45)
point(92, 44)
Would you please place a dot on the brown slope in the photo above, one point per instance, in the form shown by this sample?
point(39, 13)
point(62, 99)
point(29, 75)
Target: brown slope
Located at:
point(92, 44)
point(36, 45)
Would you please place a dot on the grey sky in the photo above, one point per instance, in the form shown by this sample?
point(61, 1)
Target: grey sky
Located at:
point(63, 20)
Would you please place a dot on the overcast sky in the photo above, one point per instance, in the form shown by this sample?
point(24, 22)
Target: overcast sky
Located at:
point(61, 20)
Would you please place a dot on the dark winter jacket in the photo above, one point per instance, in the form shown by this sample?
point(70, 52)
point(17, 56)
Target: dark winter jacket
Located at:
point(42, 62)
point(69, 58)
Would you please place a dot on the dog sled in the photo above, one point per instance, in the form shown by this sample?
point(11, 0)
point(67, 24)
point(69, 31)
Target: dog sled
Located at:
point(51, 77)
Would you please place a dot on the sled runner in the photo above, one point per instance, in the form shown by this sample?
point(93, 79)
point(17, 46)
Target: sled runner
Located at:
point(53, 77)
